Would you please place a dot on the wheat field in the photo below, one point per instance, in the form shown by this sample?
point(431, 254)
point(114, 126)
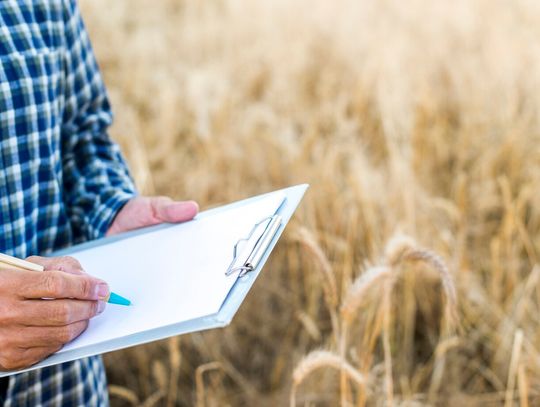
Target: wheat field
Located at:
point(409, 276)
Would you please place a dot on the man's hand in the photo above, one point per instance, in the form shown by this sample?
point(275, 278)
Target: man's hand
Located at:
point(31, 327)
point(146, 211)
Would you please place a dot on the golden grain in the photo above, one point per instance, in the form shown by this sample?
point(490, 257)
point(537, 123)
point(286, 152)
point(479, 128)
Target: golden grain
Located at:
point(420, 116)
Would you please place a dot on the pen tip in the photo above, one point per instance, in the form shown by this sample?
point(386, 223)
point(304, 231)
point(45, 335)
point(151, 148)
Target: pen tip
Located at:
point(118, 299)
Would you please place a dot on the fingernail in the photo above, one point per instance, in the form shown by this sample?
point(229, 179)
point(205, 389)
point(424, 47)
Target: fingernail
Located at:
point(101, 307)
point(102, 290)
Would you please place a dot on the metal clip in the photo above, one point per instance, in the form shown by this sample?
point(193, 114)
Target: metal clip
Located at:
point(259, 245)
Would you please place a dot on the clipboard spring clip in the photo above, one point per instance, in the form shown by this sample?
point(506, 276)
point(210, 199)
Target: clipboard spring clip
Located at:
point(257, 243)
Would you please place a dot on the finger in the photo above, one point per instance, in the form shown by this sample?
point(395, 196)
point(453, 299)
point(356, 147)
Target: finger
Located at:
point(64, 263)
point(57, 284)
point(37, 336)
point(167, 210)
point(38, 353)
point(20, 358)
point(57, 312)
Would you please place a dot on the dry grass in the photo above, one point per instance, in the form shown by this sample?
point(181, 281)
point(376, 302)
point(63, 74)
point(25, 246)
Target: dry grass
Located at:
point(416, 118)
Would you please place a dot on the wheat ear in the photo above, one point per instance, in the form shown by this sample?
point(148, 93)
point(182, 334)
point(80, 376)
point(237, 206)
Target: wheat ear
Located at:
point(321, 358)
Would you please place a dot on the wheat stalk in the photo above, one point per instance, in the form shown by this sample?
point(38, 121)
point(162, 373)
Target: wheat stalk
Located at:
point(513, 368)
point(199, 381)
point(175, 358)
point(154, 399)
point(123, 393)
point(316, 360)
point(307, 239)
point(354, 298)
point(329, 285)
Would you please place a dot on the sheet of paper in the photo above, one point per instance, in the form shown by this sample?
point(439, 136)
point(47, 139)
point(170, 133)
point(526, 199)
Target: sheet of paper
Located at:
point(171, 275)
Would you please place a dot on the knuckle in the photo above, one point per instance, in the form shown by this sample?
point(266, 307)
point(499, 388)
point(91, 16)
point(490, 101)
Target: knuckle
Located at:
point(73, 262)
point(64, 334)
point(5, 343)
point(66, 263)
point(60, 313)
point(8, 314)
point(77, 329)
point(57, 263)
point(70, 332)
point(52, 282)
point(87, 288)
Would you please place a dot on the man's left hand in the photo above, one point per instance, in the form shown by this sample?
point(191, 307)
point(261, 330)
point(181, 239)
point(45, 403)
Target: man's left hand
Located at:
point(146, 211)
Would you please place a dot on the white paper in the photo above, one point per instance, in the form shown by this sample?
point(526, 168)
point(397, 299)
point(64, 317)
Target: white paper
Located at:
point(170, 275)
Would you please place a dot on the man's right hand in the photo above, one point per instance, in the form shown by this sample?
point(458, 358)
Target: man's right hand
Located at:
point(41, 311)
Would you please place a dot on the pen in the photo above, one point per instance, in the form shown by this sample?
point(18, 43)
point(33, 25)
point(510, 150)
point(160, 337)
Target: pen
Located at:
point(13, 262)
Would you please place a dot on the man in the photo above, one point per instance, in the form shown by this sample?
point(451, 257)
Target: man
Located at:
point(62, 181)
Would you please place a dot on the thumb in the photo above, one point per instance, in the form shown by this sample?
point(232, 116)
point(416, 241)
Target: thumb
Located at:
point(167, 210)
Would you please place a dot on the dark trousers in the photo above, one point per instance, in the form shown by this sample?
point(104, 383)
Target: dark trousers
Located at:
point(4, 383)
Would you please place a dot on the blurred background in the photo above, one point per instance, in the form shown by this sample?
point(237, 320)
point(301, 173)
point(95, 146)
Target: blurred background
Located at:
point(409, 276)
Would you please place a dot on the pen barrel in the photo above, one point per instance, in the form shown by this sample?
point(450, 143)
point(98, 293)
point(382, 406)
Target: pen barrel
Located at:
point(18, 264)
point(11, 266)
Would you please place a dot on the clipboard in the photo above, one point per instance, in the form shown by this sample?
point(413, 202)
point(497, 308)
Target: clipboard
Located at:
point(248, 255)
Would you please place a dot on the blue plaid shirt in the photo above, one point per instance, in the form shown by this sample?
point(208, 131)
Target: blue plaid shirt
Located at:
point(62, 179)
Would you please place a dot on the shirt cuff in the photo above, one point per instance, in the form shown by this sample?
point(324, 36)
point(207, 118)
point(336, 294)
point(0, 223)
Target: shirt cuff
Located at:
point(102, 218)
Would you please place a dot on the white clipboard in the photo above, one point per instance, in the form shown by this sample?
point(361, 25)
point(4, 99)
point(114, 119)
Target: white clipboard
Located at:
point(218, 257)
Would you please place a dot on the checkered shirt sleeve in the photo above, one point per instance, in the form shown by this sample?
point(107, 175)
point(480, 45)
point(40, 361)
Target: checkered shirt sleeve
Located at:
point(62, 179)
point(96, 181)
